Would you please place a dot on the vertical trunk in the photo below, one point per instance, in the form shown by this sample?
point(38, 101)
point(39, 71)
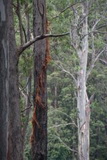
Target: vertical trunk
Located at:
point(27, 22)
point(20, 21)
point(28, 109)
point(14, 137)
point(39, 120)
point(55, 97)
point(4, 80)
point(82, 99)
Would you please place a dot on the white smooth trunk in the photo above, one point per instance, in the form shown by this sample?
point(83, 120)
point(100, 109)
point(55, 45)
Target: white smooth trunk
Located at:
point(82, 99)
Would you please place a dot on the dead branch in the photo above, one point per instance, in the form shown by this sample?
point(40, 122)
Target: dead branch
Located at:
point(68, 72)
point(103, 61)
point(66, 116)
point(73, 150)
point(27, 108)
point(66, 8)
point(59, 125)
point(93, 64)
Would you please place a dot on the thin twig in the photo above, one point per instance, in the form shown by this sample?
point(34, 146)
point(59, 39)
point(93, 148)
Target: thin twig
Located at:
point(73, 150)
point(103, 61)
point(66, 8)
point(92, 66)
point(68, 72)
point(27, 108)
point(66, 116)
point(59, 125)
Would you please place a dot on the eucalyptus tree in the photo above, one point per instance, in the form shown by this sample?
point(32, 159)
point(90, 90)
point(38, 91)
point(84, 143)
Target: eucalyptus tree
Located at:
point(39, 121)
point(81, 32)
point(88, 44)
point(81, 47)
point(14, 126)
point(4, 78)
point(41, 59)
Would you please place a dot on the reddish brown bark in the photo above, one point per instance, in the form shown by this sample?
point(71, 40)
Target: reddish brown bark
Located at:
point(41, 51)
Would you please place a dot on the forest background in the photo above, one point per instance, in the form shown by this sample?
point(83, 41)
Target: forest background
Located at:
point(65, 22)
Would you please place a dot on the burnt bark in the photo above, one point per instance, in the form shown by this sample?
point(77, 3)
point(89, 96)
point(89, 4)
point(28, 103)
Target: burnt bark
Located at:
point(39, 120)
point(4, 80)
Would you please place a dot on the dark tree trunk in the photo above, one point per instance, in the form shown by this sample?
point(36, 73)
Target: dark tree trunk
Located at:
point(20, 21)
point(4, 80)
point(14, 136)
point(39, 120)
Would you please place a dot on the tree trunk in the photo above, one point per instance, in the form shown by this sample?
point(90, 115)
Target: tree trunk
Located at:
point(82, 99)
point(28, 108)
point(4, 78)
point(27, 22)
point(20, 21)
point(14, 137)
point(55, 97)
point(39, 120)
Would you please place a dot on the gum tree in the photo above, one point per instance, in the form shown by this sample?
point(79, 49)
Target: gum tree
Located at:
point(4, 78)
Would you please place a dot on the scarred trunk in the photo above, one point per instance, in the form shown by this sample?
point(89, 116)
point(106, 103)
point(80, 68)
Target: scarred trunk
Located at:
point(4, 79)
point(39, 120)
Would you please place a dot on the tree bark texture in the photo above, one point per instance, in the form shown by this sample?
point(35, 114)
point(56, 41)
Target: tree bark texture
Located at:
point(82, 99)
point(14, 137)
point(4, 79)
point(79, 37)
point(39, 120)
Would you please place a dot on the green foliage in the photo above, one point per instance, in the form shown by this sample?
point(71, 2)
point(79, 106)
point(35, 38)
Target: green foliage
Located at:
point(62, 96)
point(65, 57)
point(27, 150)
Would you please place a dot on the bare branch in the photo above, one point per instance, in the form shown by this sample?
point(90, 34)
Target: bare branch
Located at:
point(37, 38)
point(95, 24)
point(66, 116)
point(93, 64)
point(93, 49)
point(59, 125)
point(23, 92)
point(64, 70)
point(101, 26)
point(103, 61)
point(27, 108)
point(68, 72)
point(73, 150)
point(66, 8)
